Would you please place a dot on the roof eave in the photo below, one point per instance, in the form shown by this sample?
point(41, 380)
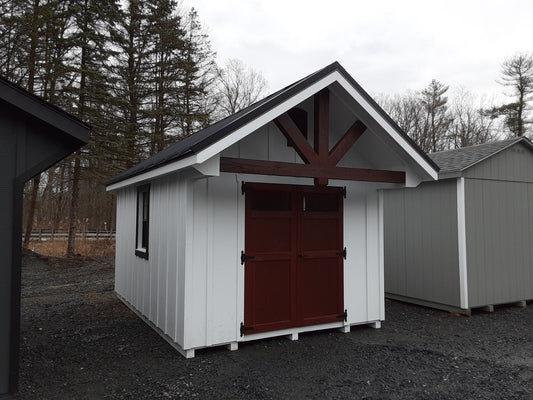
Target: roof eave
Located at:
point(54, 116)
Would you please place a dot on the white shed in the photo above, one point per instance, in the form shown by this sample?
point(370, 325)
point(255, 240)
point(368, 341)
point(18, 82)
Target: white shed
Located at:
point(267, 223)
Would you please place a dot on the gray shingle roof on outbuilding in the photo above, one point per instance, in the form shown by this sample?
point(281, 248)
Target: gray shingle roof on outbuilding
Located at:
point(457, 160)
point(205, 137)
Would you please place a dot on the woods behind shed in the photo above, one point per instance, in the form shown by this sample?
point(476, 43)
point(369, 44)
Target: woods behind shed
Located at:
point(465, 241)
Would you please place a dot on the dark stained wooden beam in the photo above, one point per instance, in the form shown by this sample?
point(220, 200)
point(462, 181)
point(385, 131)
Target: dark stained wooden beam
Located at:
point(321, 129)
point(321, 124)
point(260, 167)
point(289, 129)
point(346, 142)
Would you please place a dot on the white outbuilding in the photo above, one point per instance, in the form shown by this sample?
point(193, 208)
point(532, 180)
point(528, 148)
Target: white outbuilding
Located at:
point(267, 223)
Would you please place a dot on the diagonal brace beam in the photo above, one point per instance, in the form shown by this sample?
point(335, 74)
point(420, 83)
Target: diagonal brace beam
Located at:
point(346, 142)
point(289, 129)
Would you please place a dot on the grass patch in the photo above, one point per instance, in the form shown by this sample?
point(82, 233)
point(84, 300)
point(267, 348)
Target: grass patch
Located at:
point(85, 248)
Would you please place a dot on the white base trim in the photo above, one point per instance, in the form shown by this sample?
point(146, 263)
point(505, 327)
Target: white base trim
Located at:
point(296, 331)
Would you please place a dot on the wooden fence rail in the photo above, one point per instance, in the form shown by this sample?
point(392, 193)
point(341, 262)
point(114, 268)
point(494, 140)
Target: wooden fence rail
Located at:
point(62, 234)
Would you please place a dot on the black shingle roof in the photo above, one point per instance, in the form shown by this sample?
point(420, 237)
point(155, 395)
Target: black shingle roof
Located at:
point(205, 137)
point(457, 160)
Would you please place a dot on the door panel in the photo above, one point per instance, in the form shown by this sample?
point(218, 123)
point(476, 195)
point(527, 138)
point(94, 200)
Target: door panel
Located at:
point(268, 293)
point(294, 267)
point(318, 289)
point(319, 234)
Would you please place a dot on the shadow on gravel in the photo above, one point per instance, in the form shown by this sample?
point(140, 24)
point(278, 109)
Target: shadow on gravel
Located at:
point(80, 342)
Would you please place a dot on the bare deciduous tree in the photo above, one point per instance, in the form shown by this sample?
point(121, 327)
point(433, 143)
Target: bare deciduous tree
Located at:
point(470, 125)
point(239, 87)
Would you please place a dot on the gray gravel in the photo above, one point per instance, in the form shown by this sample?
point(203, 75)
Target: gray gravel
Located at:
point(80, 342)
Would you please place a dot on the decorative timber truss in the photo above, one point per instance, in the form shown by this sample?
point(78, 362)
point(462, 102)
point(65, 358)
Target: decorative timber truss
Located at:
point(320, 162)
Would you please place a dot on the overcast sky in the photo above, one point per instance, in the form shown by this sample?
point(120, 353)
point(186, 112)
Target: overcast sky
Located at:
point(387, 46)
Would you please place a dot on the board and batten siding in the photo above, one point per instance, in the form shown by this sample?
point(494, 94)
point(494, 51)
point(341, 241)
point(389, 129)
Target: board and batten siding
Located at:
point(154, 287)
point(421, 243)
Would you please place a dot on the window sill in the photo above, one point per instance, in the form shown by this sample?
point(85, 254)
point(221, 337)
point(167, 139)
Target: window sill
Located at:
point(142, 253)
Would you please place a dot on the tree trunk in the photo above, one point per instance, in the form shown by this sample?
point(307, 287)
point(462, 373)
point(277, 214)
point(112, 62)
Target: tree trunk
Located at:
point(31, 210)
point(73, 213)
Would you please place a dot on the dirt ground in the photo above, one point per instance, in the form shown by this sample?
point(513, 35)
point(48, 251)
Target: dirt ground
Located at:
point(80, 342)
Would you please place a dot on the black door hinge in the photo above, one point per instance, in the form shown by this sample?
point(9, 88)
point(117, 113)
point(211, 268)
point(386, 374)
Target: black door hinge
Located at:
point(344, 192)
point(245, 329)
point(243, 187)
point(343, 316)
point(342, 253)
point(244, 257)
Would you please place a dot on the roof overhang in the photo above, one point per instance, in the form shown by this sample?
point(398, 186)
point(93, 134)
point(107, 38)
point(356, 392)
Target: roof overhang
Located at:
point(409, 152)
point(38, 108)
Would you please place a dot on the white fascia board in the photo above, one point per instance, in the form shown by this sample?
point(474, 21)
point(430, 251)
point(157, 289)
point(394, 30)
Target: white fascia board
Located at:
point(386, 126)
point(148, 175)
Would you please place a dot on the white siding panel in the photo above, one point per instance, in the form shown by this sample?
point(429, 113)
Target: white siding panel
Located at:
point(184, 243)
point(196, 270)
point(372, 260)
point(355, 265)
point(224, 262)
point(277, 146)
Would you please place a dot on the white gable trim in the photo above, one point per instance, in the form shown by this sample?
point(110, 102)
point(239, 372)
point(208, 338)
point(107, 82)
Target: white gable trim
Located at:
point(387, 126)
point(245, 130)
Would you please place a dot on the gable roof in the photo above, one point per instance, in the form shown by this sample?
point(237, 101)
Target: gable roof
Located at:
point(453, 162)
point(202, 139)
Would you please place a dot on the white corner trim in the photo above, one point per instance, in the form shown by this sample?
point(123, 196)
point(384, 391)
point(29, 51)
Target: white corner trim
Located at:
point(387, 126)
point(381, 244)
point(461, 236)
point(163, 170)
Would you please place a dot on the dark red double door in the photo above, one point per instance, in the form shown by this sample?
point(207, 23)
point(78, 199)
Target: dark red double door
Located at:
point(293, 257)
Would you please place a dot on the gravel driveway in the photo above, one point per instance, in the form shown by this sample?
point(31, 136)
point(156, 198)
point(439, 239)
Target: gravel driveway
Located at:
point(80, 342)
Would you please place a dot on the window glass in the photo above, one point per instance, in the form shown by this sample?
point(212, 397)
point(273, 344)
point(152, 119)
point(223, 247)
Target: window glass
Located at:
point(143, 211)
point(270, 200)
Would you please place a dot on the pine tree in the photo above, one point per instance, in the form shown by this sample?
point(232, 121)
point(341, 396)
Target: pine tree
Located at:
point(517, 74)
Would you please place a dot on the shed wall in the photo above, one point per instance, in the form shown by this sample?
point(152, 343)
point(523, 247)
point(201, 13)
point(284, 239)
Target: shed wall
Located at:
point(421, 242)
point(512, 164)
point(215, 284)
point(155, 287)
point(499, 235)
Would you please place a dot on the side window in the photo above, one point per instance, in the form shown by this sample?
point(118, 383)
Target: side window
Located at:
point(143, 221)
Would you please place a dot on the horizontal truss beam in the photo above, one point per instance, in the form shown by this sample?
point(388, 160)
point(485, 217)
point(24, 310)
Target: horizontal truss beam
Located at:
point(260, 167)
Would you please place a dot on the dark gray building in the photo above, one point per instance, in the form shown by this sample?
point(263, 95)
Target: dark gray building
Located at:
point(34, 135)
point(465, 241)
